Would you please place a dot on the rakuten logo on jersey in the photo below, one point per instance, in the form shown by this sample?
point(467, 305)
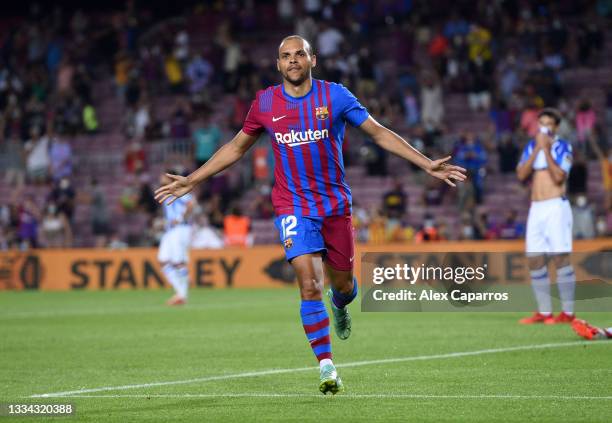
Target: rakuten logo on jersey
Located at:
point(297, 138)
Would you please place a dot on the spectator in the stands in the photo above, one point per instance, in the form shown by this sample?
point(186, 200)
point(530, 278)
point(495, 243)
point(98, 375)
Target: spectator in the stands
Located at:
point(100, 216)
point(146, 198)
point(14, 175)
point(433, 192)
point(135, 158)
point(466, 228)
point(90, 118)
point(510, 228)
point(502, 119)
point(142, 119)
point(206, 137)
point(204, 235)
point(116, 242)
point(529, 118)
point(484, 228)
point(329, 40)
point(37, 159)
point(583, 218)
point(411, 108)
point(471, 155)
point(509, 76)
point(508, 153)
point(237, 229)
point(429, 232)
point(64, 196)
point(55, 231)
point(199, 73)
point(123, 65)
point(394, 201)
point(28, 215)
point(174, 73)
point(605, 162)
point(479, 96)
point(579, 175)
point(60, 155)
point(179, 121)
point(585, 123)
point(432, 105)
point(263, 206)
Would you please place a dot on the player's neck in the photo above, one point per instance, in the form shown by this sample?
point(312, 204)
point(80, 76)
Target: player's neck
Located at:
point(298, 90)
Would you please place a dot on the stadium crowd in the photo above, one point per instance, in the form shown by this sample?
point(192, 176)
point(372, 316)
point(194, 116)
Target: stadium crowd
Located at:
point(506, 58)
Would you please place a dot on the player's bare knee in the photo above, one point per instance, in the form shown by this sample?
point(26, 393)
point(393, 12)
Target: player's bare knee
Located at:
point(342, 281)
point(311, 289)
point(536, 262)
point(561, 260)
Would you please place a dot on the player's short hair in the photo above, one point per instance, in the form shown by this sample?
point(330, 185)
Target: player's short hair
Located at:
point(307, 45)
point(551, 113)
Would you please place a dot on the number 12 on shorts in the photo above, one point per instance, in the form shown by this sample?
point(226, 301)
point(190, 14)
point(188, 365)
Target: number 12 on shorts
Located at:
point(288, 224)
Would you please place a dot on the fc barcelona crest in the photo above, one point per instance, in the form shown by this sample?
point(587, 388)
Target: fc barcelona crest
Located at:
point(288, 243)
point(321, 113)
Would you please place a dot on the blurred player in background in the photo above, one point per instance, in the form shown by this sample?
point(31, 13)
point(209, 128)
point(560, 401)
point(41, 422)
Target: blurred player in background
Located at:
point(548, 159)
point(583, 329)
point(173, 253)
point(306, 119)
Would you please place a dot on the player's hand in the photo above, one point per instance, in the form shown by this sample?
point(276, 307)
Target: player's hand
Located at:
point(441, 169)
point(543, 141)
point(179, 186)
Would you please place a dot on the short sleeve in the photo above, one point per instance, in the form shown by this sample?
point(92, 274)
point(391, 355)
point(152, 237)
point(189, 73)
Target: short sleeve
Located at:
point(527, 150)
point(352, 110)
point(252, 125)
point(564, 157)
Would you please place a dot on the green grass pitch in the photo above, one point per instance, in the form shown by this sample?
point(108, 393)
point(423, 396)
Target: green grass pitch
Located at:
point(74, 341)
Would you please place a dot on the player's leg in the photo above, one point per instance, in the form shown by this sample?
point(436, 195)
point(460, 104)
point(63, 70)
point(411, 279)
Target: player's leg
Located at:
point(566, 283)
point(165, 258)
point(315, 320)
point(339, 241)
point(180, 259)
point(560, 239)
point(536, 247)
point(304, 249)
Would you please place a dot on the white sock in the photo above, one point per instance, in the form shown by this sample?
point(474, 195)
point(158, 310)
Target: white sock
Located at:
point(172, 277)
point(540, 283)
point(183, 279)
point(566, 281)
point(608, 332)
point(325, 362)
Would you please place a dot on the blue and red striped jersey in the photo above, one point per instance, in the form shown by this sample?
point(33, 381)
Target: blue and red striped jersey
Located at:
point(307, 134)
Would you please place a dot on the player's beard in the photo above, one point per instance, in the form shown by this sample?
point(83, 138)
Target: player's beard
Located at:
point(299, 80)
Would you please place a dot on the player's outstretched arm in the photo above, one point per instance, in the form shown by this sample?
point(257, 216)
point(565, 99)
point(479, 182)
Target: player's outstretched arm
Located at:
point(395, 144)
point(226, 156)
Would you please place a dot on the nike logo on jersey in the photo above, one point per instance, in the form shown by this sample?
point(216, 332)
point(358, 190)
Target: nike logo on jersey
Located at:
point(276, 119)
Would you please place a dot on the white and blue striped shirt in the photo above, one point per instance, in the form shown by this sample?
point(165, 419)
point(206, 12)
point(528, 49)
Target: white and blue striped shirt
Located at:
point(175, 213)
point(561, 152)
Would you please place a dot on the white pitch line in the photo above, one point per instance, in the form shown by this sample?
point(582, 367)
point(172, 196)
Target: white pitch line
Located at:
point(350, 396)
point(302, 369)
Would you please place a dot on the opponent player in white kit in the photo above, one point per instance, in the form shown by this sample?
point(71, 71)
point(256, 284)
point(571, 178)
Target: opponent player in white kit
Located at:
point(549, 224)
point(173, 253)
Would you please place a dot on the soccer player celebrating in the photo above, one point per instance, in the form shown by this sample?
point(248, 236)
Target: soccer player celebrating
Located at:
point(548, 159)
point(173, 252)
point(583, 329)
point(306, 119)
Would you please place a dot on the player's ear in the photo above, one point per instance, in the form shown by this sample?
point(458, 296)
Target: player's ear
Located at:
point(278, 65)
point(313, 58)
